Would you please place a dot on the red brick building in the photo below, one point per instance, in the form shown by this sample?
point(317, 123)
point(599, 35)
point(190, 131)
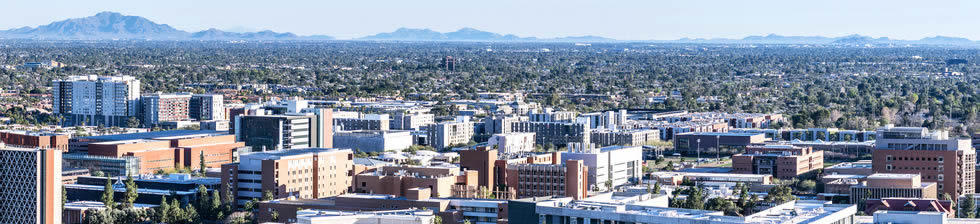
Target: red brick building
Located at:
point(35, 139)
point(781, 161)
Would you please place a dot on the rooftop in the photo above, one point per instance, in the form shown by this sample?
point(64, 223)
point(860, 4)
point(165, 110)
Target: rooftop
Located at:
point(736, 134)
point(152, 135)
point(31, 133)
point(892, 176)
point(292, 152)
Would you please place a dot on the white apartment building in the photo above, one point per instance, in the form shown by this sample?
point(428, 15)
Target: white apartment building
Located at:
point(206, 107)
point(621, 165)
point(409, 120)
point(444, 135)
point(92, 100)
point(513, 142)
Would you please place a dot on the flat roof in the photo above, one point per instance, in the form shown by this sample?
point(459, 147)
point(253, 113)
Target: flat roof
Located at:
point(738, 134)
point(291, 152)
point(616, 147)
point(31, 133)
point(127, 141)
point(151, 135)
point(892, 176)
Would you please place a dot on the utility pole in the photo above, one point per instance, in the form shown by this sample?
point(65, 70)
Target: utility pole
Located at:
point(699, 152)
point(718, 147)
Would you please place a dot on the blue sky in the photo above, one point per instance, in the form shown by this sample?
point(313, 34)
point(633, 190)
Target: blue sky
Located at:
point(620, 19)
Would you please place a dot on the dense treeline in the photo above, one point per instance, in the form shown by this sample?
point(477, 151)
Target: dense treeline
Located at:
point(815, 86)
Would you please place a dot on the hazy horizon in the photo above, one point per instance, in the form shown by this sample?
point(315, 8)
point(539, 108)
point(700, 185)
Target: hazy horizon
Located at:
point(623, 20)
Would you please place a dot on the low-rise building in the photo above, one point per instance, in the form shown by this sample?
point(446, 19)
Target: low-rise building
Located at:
point(378, 122)
point(165, 153)
point(566, 211)
point(182, 187)
point(555, 133)
point(708, 179)
point(882, 185)
point(35, 139)
point(609, 166)
point(513, 142)
point(289, 209)
point(299, 173)
point(399, 180)
point(630, 137)
point(405, 216)
point(781, 161)
point(872, 206)
point(451, 133)
point(569, 179)
point(692, 143)
point(409, 120)
point(373, 141)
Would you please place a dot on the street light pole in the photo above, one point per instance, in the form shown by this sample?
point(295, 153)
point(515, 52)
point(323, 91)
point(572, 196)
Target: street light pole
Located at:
point(699, 152)
point(718, 147)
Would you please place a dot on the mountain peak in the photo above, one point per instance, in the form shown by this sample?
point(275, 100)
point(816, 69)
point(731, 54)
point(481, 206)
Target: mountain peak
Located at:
point(114, 25)
point(108, 14)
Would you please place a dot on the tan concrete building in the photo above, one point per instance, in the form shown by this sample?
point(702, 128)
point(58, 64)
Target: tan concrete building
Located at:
point(399, 180)
point(781, 161)
point(300, 173)
point(882, 185)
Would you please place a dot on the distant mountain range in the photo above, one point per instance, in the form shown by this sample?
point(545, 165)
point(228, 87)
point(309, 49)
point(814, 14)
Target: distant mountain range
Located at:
point(111, 25)
point(116, 26)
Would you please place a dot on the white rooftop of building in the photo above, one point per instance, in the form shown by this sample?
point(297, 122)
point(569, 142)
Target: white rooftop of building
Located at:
point(892, 176)
point(278, 154)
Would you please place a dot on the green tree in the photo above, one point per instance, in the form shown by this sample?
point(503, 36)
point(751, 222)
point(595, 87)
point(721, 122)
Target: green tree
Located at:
point(204, 166)
point(436, 220)
point(780, 194)
point(215, 208)
point(101, 217)
point(176, 213)
point(132, 122)
point(968, 209)
point(190, 215)
point(267, 196)
point(164, 211)
point(807, 185)
point(64, 197)
point(721, 204)
point(675, 200)
point(695, 199)
point(251, 205)
point(107, 193)
point(131, 193)
point(656, 188)
point(203, 205)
